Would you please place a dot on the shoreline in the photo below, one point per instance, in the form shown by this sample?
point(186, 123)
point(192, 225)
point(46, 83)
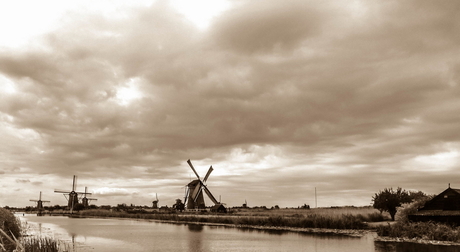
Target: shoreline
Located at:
point(357, 233)
point(414, 240)
point(345, 232)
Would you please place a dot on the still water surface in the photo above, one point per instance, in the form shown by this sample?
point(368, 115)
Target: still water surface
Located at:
point(138, 235)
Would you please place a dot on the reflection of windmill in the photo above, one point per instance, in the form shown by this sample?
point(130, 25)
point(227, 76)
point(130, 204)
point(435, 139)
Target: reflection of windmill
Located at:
point(40, 202)
point(194, 195)
point(73, 195)
point(85, 201)
point(155, 202)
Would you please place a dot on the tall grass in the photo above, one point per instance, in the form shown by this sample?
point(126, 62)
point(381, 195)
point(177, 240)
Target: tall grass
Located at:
point(12, 238)
point(43, 244)
point(9, 230)
point(421, 230)
point(312, 220)
point(403, 228)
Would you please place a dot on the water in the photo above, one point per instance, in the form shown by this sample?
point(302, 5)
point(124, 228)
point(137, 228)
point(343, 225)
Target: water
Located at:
point(88, 234)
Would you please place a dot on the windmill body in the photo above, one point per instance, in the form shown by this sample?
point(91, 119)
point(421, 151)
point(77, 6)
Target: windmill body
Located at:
point(85, 200)
point(198, 201)
point(194, 196)
point(155, 202)
point(40, 202)
point(72, 195)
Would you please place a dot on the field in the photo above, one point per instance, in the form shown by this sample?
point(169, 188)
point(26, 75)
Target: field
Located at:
point(321, 218)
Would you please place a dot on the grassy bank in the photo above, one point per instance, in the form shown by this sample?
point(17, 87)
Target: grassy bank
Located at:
point(427, 231)
point(13, 237)
point(420, 232)
point(305, 219)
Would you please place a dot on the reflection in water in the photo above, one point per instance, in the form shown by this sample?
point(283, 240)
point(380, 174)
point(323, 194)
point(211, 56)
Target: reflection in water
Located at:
point(104, 235)
point(195, 227)
point(195, 238)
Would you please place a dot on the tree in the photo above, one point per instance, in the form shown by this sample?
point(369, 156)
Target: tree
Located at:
point(389, 200)
point(179, 205)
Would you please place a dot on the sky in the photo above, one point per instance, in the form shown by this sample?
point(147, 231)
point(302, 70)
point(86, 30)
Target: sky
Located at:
point(282, 98)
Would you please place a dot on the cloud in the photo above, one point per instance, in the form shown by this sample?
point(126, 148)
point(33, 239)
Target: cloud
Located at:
point(22, 181)
point(256, 26)
point(289, 94)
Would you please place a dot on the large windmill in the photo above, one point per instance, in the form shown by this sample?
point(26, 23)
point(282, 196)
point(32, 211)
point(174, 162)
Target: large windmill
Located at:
point(85, 201)
point(39, 202)
point(72, 195)
point(155, 202)
point(194, 195)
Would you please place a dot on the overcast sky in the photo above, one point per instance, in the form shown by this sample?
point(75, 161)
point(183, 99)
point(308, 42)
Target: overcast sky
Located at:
point(281, 97)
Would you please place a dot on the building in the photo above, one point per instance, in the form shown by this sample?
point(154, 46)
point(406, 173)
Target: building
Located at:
point(445, 207)
point(219, 208)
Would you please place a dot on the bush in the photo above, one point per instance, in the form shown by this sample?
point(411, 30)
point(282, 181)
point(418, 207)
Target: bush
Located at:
point(11, 227)
point(412, 208)
point(421, 230)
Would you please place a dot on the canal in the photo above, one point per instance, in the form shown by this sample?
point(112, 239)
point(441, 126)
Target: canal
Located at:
point(95, 234)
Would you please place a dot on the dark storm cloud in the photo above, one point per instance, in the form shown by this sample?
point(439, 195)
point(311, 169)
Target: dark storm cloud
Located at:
point(263, 26)
point(310, 94)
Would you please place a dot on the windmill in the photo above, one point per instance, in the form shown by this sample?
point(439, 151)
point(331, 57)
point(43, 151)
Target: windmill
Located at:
point(85, 201)
point(194, 195)
point(73, 195)
point(155, 202)
point(40, 202)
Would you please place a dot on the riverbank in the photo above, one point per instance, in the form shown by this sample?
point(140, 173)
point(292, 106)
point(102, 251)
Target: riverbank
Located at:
point(340, 223)
point(420, 232)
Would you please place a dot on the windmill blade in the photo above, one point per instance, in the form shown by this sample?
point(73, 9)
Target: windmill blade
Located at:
point(186, 195)
point(156, 196)
point(61, 191)
point(74, 184)
point(206, 190)
point(46, 201)
point(207, 174)
point(193, 169)
point(196, 191)
point(34, 200)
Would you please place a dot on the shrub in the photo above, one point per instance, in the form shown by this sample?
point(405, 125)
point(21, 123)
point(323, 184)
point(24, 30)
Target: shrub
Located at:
point(11, 227)
point(421, 230)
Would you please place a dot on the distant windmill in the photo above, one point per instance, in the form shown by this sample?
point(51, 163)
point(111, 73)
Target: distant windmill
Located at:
point(72, 195)
point(194, 195)
point(155, 202)
point(85, 201)
point(39, 202)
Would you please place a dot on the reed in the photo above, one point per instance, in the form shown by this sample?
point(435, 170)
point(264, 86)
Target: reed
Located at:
point(9, 230)
point(43, 244)
point(421, 230)
point(314, 220)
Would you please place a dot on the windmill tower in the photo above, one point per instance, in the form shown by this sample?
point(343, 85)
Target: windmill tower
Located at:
point(155, 202)
point(194, 195)
point(40, 202)
point(72, 195)
point(85, 201)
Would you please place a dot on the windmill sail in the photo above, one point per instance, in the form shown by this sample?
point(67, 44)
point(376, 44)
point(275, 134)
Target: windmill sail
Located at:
point(207, 174)
point(194, 194)
point(206, 190)
point(193, 169)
